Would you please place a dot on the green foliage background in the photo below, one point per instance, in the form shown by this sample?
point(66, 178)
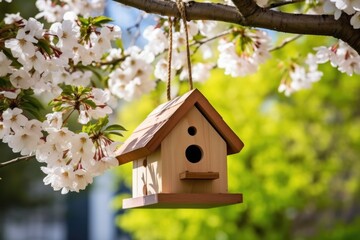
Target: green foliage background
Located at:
point(299, 170)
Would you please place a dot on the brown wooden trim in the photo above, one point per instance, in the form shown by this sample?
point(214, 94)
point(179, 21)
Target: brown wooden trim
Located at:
point(199, 175)
point(183, 200)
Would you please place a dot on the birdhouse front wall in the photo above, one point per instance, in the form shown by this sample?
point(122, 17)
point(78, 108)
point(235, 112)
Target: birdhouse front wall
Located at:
point(193, 146)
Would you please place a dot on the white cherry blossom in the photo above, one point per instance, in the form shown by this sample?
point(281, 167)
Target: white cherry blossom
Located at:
point(25, 140)
point(53, 120)
point(82, 148)
point(355, 20)
point(51, 153)
point(67, 33)
point(13, 118)
point(22, 79)
point(4, 64)
point(133, 78)
point(4, 130)
point(20, 47)
point(157, 41)
point(201, 72)
point(11, 18)
point(60, 178)
point(161, 70)
point(11, 94)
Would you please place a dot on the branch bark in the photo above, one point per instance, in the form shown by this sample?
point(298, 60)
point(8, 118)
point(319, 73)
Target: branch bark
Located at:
point(247, 13)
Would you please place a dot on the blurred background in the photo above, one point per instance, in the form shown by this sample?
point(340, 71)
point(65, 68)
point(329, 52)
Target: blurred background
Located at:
point(299, 171)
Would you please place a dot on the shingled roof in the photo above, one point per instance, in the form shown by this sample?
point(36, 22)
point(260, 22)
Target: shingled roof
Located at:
point(148, 136)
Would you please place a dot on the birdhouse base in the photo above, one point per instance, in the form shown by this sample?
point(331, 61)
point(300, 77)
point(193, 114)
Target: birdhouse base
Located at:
point(183, 200)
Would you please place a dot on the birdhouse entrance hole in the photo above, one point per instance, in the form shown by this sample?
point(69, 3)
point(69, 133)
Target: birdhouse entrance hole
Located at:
point(193, 153)
point(192, 131)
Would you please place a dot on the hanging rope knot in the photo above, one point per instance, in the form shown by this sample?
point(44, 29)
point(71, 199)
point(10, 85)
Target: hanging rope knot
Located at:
point(182, 9)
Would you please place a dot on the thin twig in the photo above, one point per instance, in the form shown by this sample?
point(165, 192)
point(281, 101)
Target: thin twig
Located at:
point(280, 4)
point(136, 26)
point(201, 42)
point(285, 42)
point(16, 160)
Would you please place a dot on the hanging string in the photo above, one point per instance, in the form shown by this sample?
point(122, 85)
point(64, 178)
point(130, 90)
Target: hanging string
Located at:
point(168, 89)
point(181, 6)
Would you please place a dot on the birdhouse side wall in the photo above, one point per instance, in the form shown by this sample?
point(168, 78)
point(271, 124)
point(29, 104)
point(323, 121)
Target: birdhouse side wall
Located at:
point(146, 178)
point(193, 132)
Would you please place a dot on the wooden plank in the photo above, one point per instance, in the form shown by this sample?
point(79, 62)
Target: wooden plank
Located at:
point(139, 185)
point(183, 200)
point(154, 173)
point(198, 175)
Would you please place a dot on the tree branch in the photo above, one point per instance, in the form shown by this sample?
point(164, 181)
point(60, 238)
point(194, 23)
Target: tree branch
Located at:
point(16, 160)
point(247, 13)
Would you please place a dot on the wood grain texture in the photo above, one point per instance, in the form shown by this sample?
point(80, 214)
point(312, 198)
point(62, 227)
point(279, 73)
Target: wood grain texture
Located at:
point(147, 175)
point(173, 153)
point(183, 200)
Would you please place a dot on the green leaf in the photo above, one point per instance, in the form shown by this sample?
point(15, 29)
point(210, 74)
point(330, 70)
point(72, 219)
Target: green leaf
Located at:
point(8, 54)
point(96, 127)
point(198, 37)
point(43, 44)
point(98, 21)
point(5, 82)
point(89, 103)
point(34, 102)
point(28, 107)
point(84, 21)
point(119, 43)
point(88, 128)
point(3, 106)
point(103, 121)
point(114, 133)
point(67, 90)
point(115, 127)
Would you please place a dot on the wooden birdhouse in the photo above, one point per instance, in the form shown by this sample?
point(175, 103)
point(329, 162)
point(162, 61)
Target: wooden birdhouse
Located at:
point(179, 156)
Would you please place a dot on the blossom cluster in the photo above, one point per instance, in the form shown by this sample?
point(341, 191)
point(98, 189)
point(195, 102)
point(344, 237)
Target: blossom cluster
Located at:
point(300, 76)
point(350, 7)
point(72, 159)
point(341, 56)
point(244, 52)
point(52, 12)
point(57, 63)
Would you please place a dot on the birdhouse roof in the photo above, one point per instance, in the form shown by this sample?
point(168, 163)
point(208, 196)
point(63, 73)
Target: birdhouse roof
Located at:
point(147, 137)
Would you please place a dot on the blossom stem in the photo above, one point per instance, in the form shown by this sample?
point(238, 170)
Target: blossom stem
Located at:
point(67, 118)
point(16, 160)
point(285, 42)
point(200, 43)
